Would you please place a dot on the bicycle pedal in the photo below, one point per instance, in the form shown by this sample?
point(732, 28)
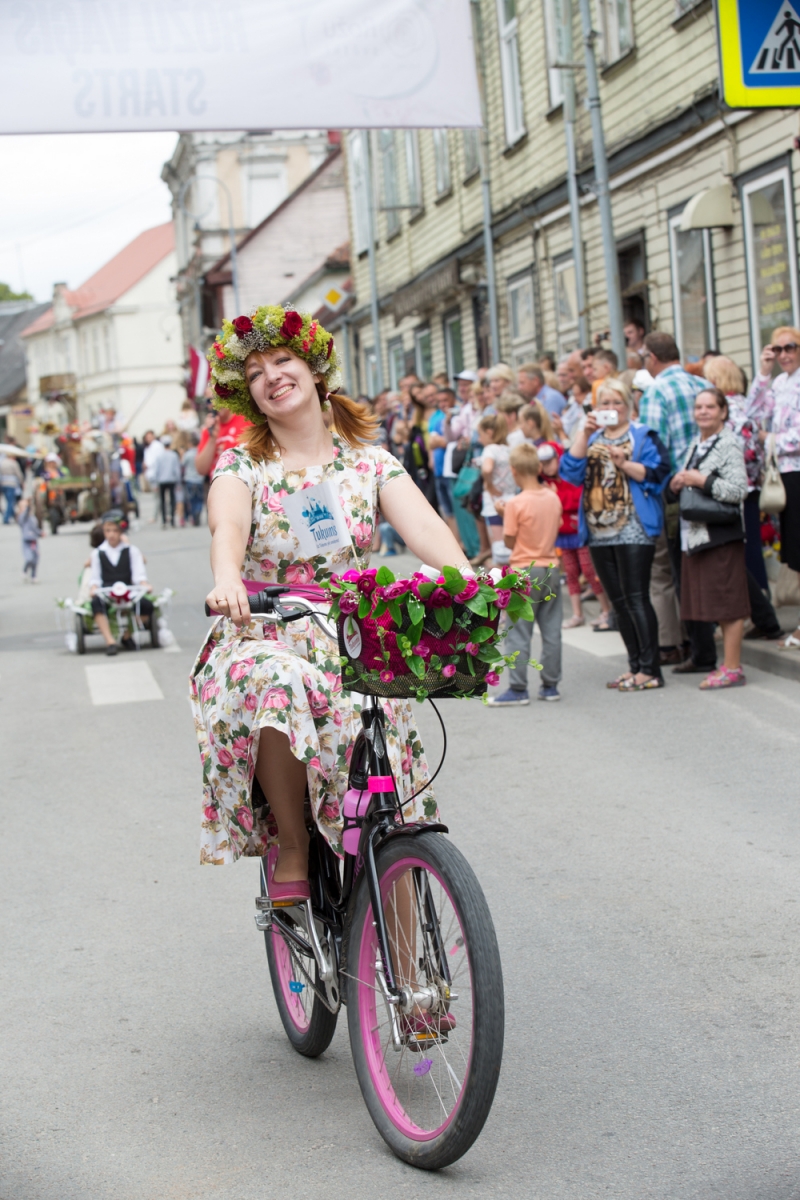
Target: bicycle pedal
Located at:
point(263, 914)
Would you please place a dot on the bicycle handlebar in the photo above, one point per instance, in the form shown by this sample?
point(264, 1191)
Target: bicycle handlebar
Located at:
point(266, 603)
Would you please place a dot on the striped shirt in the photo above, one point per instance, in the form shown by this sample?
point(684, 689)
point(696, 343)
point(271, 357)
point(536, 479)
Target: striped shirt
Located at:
point(668, 407)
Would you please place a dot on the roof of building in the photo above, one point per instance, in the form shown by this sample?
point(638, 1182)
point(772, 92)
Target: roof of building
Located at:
point(115, 278)
point(12, 350)
point(220, 271)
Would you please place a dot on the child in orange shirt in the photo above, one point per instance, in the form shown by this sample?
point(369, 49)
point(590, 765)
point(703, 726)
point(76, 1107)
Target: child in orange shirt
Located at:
point(531, 521)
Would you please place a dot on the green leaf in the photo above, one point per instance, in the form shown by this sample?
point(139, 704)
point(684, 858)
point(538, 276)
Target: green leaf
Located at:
point(478, 605)
point(470, 666)
point(482, 633)
point(436, 662)
point(489, 654)
point(363, 607)
point(417, 665)
point(416, 611)
point(394, 609)
point(526, 612)
point(515, 602)
point(444, 618)
point(415, 632)
point(453, 580)
point(425, 589)
point(384, 576)
point(380, 609)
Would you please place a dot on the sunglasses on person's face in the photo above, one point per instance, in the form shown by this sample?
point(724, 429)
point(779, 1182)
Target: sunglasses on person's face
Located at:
point(788, 348)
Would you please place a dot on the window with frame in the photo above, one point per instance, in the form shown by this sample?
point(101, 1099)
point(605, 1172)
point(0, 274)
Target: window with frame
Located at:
point(556, 13)
point(397, 362)
point(692, 290)
point(357, 159)
point(453, 343)
point(616, 23)
point(771, 254)
point(565, 290)
point(633, 280)
point(507, 22)
point(472, 151)
point(413, 171)
point(441, 157)
point(391, 192)
point(521, 319)
point(423, 352)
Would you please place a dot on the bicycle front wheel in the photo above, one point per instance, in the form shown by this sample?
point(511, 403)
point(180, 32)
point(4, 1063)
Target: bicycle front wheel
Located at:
point(428, 1075)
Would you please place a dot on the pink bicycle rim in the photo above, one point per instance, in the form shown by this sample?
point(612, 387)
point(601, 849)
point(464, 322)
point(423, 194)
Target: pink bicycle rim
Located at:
point(294, 1004)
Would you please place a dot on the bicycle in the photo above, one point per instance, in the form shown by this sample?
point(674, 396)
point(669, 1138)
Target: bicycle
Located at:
point(400, 933)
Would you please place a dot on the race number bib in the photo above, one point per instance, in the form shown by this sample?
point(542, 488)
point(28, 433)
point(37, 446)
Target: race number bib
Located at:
point(317, 520)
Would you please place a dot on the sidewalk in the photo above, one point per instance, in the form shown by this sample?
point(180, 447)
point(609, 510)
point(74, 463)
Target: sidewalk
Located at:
point(766, 655)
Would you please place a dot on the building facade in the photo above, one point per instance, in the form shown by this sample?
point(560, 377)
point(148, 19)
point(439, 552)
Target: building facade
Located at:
point(113, 343)
point(228, 181)
point(702, 197)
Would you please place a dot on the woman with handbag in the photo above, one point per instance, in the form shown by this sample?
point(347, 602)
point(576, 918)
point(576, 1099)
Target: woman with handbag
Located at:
point(776, 403)
point(711, 487)
point(729, 378)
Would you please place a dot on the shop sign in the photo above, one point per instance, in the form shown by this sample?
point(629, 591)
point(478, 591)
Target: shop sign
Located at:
point(759, 52)
point(425, 293)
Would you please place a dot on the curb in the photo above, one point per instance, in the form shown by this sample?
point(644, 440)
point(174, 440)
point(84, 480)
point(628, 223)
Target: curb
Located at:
point(767, 657)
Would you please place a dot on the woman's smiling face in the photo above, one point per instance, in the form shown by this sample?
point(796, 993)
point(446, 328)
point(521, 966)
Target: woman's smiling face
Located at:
point(280, 383)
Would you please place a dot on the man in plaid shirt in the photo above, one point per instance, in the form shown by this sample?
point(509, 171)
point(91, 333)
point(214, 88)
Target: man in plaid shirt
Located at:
point(668, 407)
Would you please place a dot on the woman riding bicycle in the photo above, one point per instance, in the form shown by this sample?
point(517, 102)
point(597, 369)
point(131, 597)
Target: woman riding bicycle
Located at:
point(268, 701)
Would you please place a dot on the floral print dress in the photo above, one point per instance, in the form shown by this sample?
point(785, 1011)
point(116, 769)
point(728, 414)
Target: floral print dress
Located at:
point(288, 677)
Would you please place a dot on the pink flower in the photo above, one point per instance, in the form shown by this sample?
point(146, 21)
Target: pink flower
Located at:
point(472, 648)
point(274, 503)
point(332, 679)
point(449, 671)
point(240, 669)
point(251, 702)
point(502, 597)
point(379, 468)
point(307, 484)
point(224, 758)
point(267, 566)
point(314, 763)
point(318, 703)
point(225, 459)
point(362, 468)
point(210, 689)
point(387, 676)
point(205, 653)
point(440, 598)
point(300, 573)
point(348, 602)
point(210, 812)
point(329, 809)
point(240, 747)
point(362, 532)
point(405, 761)
point(276, 698)
point(393, 591)
point(492, 678)
point(366, 583)
point(244, 817)
point(470, 590)
point(351, 576)
point(420, 649)
point(337, 718)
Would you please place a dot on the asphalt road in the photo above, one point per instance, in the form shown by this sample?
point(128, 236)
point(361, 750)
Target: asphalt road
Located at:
point(640, 856)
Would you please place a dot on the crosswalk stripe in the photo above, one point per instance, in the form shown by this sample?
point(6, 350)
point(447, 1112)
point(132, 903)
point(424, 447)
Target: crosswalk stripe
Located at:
point(122, 683)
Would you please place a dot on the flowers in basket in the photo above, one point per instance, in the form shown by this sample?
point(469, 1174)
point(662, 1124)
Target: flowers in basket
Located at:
point(413, 637)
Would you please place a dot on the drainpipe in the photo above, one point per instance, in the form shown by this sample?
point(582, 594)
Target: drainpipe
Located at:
point(373, 270)
point(568, 80)
point(601, 188)
point(486, 184)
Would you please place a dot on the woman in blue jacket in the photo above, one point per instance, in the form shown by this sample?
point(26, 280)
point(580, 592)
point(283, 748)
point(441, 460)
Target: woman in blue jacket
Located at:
point(623, 467)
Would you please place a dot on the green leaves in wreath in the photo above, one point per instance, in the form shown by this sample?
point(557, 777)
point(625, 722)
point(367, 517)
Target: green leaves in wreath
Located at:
point(417, 664)
point(478, 605)
point(416, 611)
point(364, 606)
point(482, 633)
point(444, 618)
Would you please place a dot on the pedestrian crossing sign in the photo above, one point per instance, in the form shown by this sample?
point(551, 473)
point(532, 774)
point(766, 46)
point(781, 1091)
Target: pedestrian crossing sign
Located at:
point(759, 50)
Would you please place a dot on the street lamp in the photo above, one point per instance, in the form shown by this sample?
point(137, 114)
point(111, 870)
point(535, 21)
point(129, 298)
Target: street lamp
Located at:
point(231, 232)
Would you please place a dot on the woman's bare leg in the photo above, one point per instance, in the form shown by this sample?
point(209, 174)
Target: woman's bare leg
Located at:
point(283, 782)
point(732, 633)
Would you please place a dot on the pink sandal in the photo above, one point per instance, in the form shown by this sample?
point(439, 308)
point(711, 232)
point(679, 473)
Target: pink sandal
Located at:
point(574, 622)
point(291, 892)
point(723, 678)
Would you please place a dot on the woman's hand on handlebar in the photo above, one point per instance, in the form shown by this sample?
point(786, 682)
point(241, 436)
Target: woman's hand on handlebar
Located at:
point(229, 597)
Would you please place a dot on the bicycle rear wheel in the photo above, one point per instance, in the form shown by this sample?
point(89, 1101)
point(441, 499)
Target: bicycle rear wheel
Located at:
point(309, 1025)
point(428, 1078)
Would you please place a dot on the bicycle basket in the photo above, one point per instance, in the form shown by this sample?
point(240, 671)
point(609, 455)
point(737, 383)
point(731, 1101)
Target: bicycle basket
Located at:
point(374, 665)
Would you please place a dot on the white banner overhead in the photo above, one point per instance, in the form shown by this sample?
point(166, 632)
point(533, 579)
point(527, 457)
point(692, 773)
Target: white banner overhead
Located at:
point(70, 66)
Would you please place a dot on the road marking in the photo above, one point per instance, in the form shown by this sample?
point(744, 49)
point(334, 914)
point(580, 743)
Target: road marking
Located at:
point(122, 683)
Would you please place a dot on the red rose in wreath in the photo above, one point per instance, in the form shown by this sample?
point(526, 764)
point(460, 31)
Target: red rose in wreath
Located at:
point(223, 392)
point(330, 348)
point(243, 325)
point(292, 324)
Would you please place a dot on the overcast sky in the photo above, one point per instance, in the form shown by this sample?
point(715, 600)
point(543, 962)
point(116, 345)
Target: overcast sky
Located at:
point(69, 202)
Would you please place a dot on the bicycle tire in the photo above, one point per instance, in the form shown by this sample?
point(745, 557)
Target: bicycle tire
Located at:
point(474, 1045)
point(154, 631)
point(308, 1024)
point(80, 634)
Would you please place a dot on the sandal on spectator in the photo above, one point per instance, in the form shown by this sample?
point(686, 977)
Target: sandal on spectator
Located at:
point(723, 678)
point(574, 622)
point(791, 641)
point(649, 685)
point(620, 681)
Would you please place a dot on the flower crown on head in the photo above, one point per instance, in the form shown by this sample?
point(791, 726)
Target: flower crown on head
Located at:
point(268, 327)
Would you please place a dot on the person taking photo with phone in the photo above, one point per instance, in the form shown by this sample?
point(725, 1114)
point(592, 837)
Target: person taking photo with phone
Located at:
point(623, 467)
point(223, 430)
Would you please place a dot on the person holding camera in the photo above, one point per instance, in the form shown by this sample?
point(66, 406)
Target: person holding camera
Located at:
point(711, 487)
point(623, 467)
point(223, 430)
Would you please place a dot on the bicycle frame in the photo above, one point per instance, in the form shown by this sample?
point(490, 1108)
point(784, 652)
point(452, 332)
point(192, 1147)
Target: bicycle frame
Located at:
point(333, 888)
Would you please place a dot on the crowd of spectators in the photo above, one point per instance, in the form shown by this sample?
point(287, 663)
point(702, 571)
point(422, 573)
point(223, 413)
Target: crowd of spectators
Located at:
point(654, 472)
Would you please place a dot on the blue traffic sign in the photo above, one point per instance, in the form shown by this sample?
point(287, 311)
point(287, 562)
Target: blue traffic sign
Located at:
point(759, 46)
